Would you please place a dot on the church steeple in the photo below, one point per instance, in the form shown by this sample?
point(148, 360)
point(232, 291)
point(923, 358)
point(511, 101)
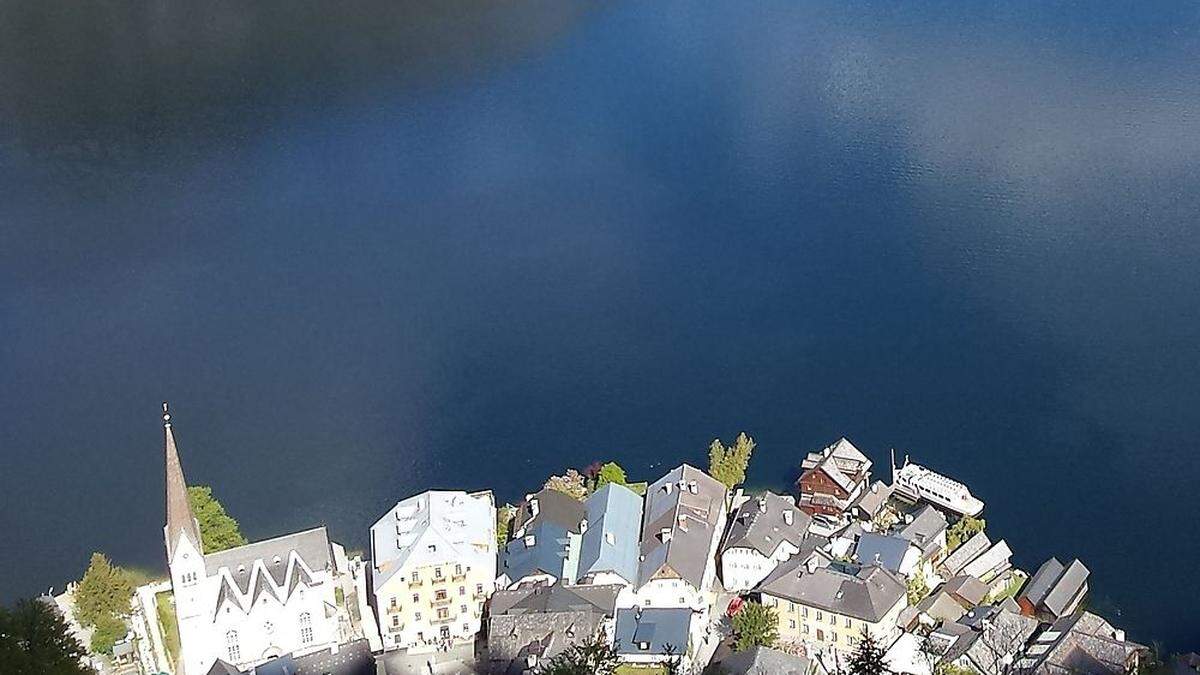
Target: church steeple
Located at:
point(180, 519)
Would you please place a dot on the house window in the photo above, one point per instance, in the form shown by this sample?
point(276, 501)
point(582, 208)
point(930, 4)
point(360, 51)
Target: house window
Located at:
point(232, 647)
point(462, 608)
point(440, 595)
point(804, 629)
point(820, 635)
point(306, 634)
point(832, 620)
point(268, 627)
point(848, 623)
point(395, 620)
point(416, 576)
point(443, 613)
point(804, 612)
point(437, 573)
point(466, 628)
point(820, 616)
point(792, 624)
point(457, 569)
point(462, 590)
point(418, 616)
point(416, 597)
point(392, 602)
point(479, 588)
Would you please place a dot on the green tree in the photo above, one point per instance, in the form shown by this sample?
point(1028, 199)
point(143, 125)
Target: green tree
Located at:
point(610, 472)
point(109, 630)
point(592, 657)
point(104, 591)
point(917, 589)
point(964, 529)
point(868, 657)
point(755, 625)
point(504, 516)
point(728, 464)
point(218, 530)
point(35, 640)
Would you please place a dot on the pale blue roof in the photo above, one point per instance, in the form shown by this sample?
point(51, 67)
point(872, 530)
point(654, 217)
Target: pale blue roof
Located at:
point(614, 522)
point(655, 627)
point(549, 553)
point(890, 550)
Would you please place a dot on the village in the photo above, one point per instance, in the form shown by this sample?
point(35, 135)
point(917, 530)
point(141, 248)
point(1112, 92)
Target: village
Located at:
point(689, 573)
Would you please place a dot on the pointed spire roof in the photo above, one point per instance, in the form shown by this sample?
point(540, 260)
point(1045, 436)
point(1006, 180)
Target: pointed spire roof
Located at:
point(180, 519)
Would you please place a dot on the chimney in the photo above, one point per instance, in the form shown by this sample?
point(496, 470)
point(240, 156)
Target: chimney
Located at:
point(762, 504)
point(534, 507)
point(811, 564)
point(665, 534)
point(583, 526)
point(683, 522)
point(693, 488)
point(787, 517)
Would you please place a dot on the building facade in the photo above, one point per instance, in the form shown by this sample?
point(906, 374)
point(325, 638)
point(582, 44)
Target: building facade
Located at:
point(433, 567)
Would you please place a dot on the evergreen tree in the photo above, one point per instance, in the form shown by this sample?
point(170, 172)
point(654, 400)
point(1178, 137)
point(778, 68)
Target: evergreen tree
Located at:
point(109, 630)
point(755, 625)
point(218, 530)
point(964, 529)
point(35, 640)
point(103, 592)
point(593, 657)
point(728, 464)
point(868, 658)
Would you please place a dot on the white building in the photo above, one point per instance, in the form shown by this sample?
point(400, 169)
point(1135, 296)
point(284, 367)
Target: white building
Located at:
point(763, 532)
point(246, 604)
point(434, 566)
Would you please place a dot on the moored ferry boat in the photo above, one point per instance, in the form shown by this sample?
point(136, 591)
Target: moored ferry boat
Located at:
point(922, 483)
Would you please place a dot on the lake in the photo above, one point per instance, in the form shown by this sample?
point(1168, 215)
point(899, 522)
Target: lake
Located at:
point(368, 250)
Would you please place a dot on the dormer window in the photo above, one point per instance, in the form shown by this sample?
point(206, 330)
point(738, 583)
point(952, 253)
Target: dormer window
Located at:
point(277, 560)
point(241, 569)
point(610, 538)
point(433, 548)
point(530, 541)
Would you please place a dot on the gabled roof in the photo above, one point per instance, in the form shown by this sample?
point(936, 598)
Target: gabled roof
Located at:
point(764, 661)
point(761, 524)
point(874, 498)
point(556, 598)
point(882, 550)
point(686, 505)
point(1078, 643)
point(865, 594)
point(968, 588)
point(942, 606)
point(1041, 582)
point(544, 620)
point(434, 527)
point(966, 552)
point(549, 506)
point(991, 562)
point(273, 557)
point(1067, 588)
point(544, 548)
point(656, 628)
point(610, 544)
point(925, 527)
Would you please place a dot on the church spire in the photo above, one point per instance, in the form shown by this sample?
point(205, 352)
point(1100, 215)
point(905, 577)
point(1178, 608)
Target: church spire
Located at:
point(180, 519)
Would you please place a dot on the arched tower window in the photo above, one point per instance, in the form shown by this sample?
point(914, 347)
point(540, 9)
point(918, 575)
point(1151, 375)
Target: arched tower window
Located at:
point(306, 634)
point(233, 647)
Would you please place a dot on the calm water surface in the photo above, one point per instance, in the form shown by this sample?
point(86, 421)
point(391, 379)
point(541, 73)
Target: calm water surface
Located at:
point(369, 250)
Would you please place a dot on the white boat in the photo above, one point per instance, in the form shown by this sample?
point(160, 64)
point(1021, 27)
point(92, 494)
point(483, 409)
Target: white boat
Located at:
point(921, 483)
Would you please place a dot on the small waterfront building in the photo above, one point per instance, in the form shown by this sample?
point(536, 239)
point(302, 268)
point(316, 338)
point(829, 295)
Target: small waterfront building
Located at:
point(828, 609)
point(1080, 643)
point(965, 553)
point(531, 625)
point(1054, 590)
point(544, 539)
point(763, 532)
point(991, 563)
point(968, 590)
point(608, 551)
point(872, 501)
point(650, 635)
point(434, 566)
point(926, 529)
point(247, 604)
point(832, 480)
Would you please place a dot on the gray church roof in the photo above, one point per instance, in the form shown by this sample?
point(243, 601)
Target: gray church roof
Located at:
point(654, 628)
point(610, 543)
point(761, 524)
point(312, 546)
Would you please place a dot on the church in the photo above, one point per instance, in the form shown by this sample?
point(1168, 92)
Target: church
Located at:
point(248, 604)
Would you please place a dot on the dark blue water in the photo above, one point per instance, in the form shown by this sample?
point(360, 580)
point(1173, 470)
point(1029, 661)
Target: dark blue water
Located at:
point(367, 250)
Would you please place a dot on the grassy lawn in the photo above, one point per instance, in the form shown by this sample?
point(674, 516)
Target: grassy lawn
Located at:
point(166, 623)
point(627, 669)
point(639, 489)
point(1010, 591)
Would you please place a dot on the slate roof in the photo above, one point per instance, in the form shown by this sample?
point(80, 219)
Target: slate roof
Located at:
point(966, 552)
point(688, 503)
point(1066, 588)
point(993, 561)
point(551, 506)
point(873, 498)
point(1006, 631)
point(942, 606)
point(548, 553)
point(610, 543)
point(764, 661)
point(543, 621)
point(881, 549)
point(311, 546)
point(1041, 582)
point(556, 598)
point(659, 627)
point(760, 524)
point(866, 593)
point(967, 588)
point(924, 529)
point(1078, 643)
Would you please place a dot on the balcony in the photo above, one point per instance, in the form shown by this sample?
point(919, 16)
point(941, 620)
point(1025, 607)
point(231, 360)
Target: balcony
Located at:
point(439, 622)
point(394, 609)
point(459, 576)
point(414, 583)
point(441, 603)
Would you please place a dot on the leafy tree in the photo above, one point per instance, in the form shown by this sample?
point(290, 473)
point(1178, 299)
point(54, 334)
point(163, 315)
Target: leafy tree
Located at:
point(572, 483)
point(964, 529)
point(610, 472)
point(109, 630)
point(592, 657)
point(755, 625)
point(103, 592)
point(504, 516)
point(868, 657)
point(218, 530)
point(918, 590)
point(728, 464)
point(35, 640)
point(674, 663)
